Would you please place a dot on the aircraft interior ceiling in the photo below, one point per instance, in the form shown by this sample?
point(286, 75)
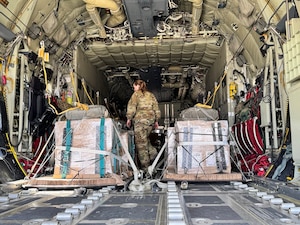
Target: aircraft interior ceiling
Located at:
point(186, 41)
point(178, 32)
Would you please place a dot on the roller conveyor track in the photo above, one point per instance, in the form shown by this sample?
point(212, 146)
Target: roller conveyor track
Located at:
point(201, 203)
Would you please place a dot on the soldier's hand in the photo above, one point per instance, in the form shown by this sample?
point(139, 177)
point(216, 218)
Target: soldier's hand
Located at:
point(128, 123)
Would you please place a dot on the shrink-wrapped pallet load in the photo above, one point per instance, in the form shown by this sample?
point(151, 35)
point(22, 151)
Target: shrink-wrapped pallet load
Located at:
point(202, 147)
point(85, 148)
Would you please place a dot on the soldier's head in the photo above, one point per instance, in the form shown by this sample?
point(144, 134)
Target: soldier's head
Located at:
point(139, 85)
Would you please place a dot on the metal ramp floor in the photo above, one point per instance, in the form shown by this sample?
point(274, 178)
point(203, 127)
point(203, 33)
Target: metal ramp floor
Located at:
point(201, 203)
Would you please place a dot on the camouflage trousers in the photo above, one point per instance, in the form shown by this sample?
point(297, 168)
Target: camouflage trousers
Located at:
point(146, 152)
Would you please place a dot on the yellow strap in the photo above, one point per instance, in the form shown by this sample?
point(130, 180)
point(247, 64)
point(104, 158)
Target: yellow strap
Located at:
point(79, 105)
point(203, 106)
point(82, 106)
point(213, 96)
point(73, 84)
point(12, 150)
point(86, 92)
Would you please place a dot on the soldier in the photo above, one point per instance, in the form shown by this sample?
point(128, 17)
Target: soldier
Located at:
point(143, 110)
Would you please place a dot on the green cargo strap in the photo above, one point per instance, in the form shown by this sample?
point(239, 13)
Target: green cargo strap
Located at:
point(66, 153)
point(115, 150)
point(131, 146)
point(102, 147)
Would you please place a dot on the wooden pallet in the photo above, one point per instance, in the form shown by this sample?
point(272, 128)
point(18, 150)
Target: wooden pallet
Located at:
point(215, 177)
point(54, 183)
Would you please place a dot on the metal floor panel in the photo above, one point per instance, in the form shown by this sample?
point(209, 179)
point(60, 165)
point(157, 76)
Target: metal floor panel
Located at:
point(223, 204)
point(201, 203)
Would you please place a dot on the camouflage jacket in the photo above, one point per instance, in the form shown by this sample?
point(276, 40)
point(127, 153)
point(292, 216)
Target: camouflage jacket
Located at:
point(143, 108)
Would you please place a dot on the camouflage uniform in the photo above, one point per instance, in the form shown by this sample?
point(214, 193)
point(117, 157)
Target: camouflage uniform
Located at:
point(143, 109)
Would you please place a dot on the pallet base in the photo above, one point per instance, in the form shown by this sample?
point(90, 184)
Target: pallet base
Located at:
point(203, 177)
point(52, 183)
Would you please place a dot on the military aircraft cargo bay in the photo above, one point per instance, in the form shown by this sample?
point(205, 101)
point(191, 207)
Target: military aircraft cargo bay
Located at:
point(149, 112)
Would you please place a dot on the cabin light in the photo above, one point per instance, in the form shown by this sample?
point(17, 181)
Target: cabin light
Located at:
point(6, 34)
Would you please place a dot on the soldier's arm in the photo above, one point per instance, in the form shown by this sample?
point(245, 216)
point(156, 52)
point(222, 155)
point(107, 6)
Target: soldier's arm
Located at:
point(131, 107)
point(156, 109)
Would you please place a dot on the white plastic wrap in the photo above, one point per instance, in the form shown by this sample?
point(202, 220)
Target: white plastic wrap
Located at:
point(196, 147)
point(85, 148)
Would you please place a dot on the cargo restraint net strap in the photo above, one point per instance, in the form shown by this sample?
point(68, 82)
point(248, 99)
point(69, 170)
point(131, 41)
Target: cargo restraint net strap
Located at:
point(220, 155)
point(116, 153)
point(102, 146)
point(66, 153)
point(188, 149)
